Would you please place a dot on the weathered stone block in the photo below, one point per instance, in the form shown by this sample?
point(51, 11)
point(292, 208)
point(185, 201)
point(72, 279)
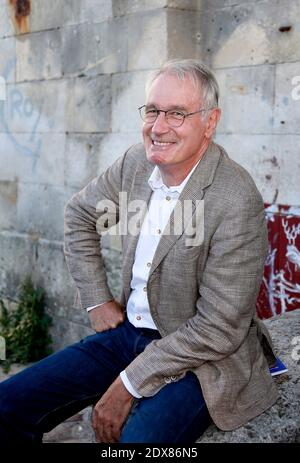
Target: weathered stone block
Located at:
point(88, 108)
point(114, 145)
point(91, 49)
point(91, 11)
point(16, 252)
point(8, 57)
point(87, 156)
point(6, 25)
point(147, 41)
point(46, 15)
point(40, 160)
point(272, 160)
point(128, 93)
point(51, 273)
point(39, 56)
point(95, 10)
point(65, 332)
point(287, 98)
point(41, 208)
point(186, 4)
point(126, 7)
point(8, 204)
point(81, 159)
point(182, 34)
point(234, 36)
point(8, 158)
point(205, 5)
point(246, 99)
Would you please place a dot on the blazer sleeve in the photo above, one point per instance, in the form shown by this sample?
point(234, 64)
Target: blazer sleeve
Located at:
point(88, 213)
point(228, 288)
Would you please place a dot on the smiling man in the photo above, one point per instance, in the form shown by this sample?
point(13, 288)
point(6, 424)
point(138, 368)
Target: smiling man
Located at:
point(183, 347)
point(176, 139)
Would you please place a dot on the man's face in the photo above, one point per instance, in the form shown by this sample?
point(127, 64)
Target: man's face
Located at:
point(177, 146)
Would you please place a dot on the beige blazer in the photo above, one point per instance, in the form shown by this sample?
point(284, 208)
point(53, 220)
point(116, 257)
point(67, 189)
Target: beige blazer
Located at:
point(202, 298)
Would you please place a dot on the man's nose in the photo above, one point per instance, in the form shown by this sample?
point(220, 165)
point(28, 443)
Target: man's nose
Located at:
point(160, 125)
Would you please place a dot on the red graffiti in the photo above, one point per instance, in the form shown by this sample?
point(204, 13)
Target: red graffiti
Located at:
point(280, 289)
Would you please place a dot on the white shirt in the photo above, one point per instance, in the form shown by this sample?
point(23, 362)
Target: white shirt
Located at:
point(162, 203)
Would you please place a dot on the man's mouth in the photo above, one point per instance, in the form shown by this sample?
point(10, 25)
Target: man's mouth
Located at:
point(162, 143)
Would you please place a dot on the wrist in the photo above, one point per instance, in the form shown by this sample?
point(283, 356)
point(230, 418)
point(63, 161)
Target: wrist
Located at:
point(88, 309)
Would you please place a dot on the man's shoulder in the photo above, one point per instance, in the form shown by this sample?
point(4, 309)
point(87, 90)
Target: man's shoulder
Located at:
point(135, 156)
point(233, 178)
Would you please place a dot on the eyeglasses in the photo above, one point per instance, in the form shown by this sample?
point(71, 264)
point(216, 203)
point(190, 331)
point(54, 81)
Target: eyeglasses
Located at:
point(174, 117)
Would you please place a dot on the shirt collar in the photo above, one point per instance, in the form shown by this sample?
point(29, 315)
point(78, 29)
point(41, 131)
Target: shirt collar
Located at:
point(156, 182)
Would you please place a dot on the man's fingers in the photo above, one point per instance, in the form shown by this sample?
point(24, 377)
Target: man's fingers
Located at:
point(105, 431)
point(95, 424)
point(104, 325)
point(116, 432)
point(107, 434)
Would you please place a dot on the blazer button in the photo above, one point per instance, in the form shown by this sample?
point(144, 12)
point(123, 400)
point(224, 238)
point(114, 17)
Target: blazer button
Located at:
point(167, 380)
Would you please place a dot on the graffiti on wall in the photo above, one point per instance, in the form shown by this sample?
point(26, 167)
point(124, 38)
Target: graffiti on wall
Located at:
point(280, 289)
point(19, 118)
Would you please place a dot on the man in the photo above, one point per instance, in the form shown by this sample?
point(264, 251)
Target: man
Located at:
point(183, 346)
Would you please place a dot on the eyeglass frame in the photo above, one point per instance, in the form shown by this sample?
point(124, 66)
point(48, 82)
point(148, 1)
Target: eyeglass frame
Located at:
point(168, 110)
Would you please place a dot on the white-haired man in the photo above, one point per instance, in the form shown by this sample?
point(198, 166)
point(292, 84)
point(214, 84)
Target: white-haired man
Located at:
point(183, 346)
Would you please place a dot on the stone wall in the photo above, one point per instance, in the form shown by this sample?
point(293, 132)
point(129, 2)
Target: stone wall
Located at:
point(75, 72)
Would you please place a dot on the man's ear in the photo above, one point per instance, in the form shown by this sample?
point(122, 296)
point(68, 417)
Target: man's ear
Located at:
point(212, 122)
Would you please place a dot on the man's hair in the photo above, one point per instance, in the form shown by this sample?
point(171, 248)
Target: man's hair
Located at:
point(200, 75)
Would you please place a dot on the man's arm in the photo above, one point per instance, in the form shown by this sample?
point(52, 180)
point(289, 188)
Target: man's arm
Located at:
point(82, 238)
point(228, 290)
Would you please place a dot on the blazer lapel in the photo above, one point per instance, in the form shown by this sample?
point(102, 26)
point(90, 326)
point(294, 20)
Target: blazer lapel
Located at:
point(201, 178)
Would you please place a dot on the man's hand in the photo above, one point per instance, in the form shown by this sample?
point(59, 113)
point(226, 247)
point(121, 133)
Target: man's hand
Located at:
point(111, 411)
point(107, 316)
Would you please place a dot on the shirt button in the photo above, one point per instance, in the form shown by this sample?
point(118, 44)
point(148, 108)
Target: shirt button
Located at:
point(145, 289)
point(168, 198)
point(148, 264)
point(138, 317)
point(158, 231)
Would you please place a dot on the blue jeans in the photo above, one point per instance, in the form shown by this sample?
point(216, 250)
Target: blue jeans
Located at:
point(40, 397)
